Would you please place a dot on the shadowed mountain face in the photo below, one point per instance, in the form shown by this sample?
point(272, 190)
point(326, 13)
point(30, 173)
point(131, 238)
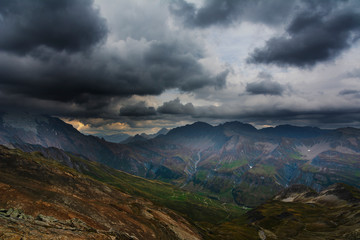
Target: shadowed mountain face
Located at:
point(115, 138)
point(231, 162)
point(143, 136)
point(125, 138)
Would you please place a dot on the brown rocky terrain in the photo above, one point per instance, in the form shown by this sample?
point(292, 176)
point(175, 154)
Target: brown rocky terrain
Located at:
point(42, 199)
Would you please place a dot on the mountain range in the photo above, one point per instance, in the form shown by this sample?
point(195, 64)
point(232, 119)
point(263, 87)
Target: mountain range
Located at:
point(44, 199)
point(232, 162)
point(126, 138)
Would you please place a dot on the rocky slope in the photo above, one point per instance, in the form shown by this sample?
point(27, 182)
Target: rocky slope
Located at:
point(97, 202)
point(58, 202)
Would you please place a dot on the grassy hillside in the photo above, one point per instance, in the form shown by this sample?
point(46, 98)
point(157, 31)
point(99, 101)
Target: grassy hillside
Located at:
point(331, 214)
point(202, 212)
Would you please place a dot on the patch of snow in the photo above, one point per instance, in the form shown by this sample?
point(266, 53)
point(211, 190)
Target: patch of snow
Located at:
point(288, 199)
point(310, 152)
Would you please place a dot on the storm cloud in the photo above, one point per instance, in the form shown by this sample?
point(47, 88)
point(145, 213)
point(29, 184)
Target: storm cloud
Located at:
point(78, 78)
point(297, 114)
point(56, 51)
point(265, 87)
point(137, 110)
point(350, 92)
point(227, 12)
point(318, 31)
point(70, 25)
point(176, 107)
point(311, 38)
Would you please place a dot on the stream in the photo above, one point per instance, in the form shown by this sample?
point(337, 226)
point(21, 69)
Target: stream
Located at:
point(192, 173)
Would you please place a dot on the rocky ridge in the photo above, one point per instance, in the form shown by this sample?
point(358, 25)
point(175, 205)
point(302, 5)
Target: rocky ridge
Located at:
point(29, 227)
point(299, 212)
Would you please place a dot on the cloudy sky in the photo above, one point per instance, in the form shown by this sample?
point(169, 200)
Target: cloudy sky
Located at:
point(110, 66)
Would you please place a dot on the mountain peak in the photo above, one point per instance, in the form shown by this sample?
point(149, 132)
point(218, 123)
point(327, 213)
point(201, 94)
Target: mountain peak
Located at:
point(200, 124)
point(236, 126)
point(195, 129)
point(136, 138)
point(291, 131)
point(163, 131)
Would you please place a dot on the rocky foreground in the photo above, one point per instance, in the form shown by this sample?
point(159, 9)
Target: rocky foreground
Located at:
point(41, 199)
point(15, 224)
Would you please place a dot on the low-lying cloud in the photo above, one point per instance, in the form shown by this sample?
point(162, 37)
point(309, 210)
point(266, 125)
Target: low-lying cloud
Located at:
point(137, 110)
point(176, 107)
point(265, 87)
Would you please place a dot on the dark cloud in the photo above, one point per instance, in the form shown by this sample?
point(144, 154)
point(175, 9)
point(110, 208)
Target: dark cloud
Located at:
point(82, 78)
point(176, 107)
point(350, 92)
point(326, 117)
point(265, 87)
point(220, 79)
point(215, 12)
point(44, 58)
point(137, 110)
point(312, 37)
point(329, 117)
point(353, 74)
point(173, 65)
point(69, 25)
point(264, 75)
point(318, 30)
